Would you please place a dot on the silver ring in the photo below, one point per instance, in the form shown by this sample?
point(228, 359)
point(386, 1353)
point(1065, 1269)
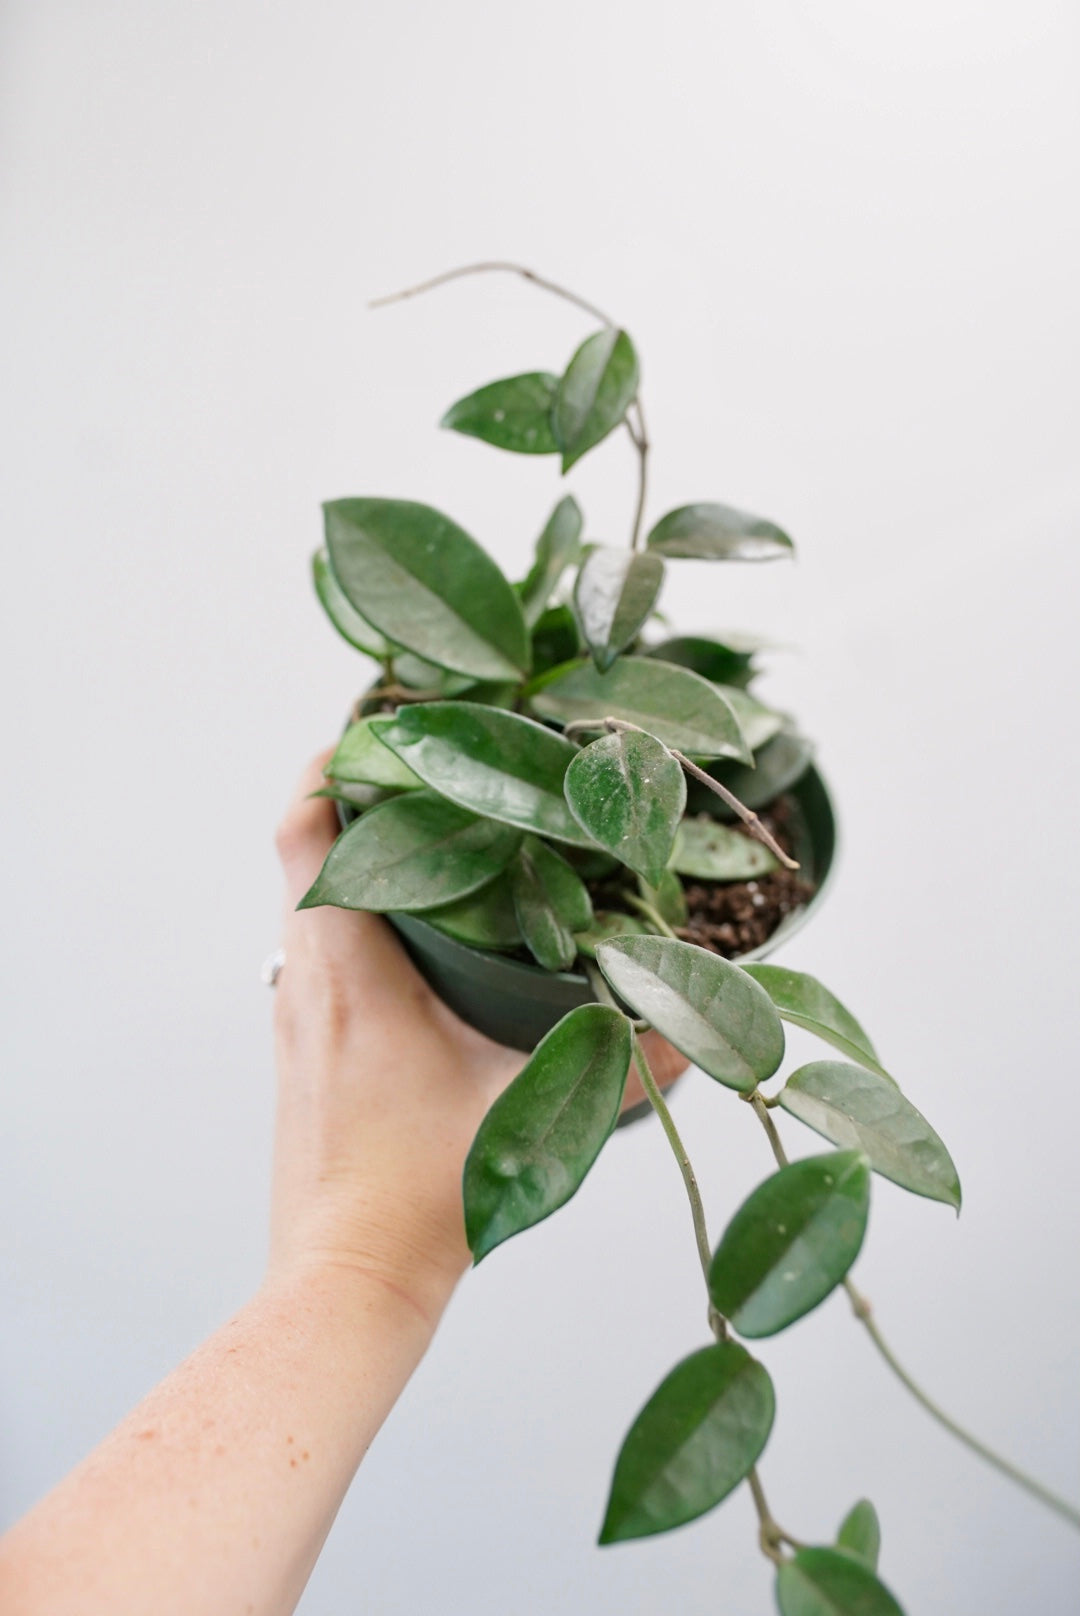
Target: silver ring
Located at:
point(272, 967)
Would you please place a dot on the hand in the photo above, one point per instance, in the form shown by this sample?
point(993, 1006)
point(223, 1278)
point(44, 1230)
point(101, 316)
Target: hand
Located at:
point(381, 1089)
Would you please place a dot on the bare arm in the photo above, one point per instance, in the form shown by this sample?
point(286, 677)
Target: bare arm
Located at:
point(216, 1494)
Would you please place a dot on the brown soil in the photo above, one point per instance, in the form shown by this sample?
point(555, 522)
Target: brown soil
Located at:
point(734, 917)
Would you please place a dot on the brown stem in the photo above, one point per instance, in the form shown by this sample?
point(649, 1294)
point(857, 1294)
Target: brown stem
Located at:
point(747, 815)
point(496, 265)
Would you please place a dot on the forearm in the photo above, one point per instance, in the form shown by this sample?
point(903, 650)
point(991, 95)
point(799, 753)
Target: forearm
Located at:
point(217, 1492)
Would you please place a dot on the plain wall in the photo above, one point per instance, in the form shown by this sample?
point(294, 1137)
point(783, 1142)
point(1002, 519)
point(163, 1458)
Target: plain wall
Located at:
point(845, 240)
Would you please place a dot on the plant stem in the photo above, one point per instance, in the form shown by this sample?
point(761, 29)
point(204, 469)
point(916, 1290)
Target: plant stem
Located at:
point(638, 433)
point(399, 693)
point(641, 443)
point(659, 1105)
point(747, 815)
point(860, 1306)
point(863, 1311)
point(646, 909)
point(771, 1534)
point(495, 265)
point(762, 1112)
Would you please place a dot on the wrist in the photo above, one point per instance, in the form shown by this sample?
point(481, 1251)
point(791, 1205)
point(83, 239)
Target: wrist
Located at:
point(368, 1263)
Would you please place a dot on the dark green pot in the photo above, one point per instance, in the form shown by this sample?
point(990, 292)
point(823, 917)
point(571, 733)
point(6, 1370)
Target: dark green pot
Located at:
point(516, 1004)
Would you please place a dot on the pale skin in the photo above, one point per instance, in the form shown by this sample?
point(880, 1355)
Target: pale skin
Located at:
point(217, 1492)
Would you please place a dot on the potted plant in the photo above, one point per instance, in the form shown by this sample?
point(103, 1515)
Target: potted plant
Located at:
point(583, 826)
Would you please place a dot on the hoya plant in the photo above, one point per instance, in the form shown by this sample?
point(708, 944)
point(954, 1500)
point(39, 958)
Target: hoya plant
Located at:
point(554, 799)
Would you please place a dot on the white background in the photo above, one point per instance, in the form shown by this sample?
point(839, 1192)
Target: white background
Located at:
point(845, 239)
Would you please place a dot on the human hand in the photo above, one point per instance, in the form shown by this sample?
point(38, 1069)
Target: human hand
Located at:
point(381, 1089)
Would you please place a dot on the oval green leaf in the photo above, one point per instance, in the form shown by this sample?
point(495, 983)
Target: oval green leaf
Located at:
point(551, 903)
point(414, 852)
point(514, 413)
point(721, 662)
point(859, 1109)
point(628, 793)
point(825, 1582)
point(707, 1007)
point(614, 594)
point(542, 1135)
point(713, 852)
point(493, 762)
point(791, 1242)
point(485, 919)
point(556, 549)
point(678, 707)
point(345, 618)
point(806, 1002)
point(594, 394)
point(362, 757)
point(860, 1533)
point(700, 1434)
point(718, 533)
point(426, 585)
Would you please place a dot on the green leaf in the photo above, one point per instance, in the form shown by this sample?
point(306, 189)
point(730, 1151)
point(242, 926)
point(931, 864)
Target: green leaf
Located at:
point(614, 594)
point(825, 1582)
point(419, 674)
point(551, 902)
point(361, 756)
point(628, 793)
point(426, 585)
point(860, 1533)
point(542, 1135)
point(512, 414)
point(806, 1002)
point(721, 662)
point(681, 709)
point(777, 766)
point(558, 546)
point(700, 1434)
point(608, 923)
point(791, 1242)
point(595, 393)
point(714, 852)
point(857, 1108)
point(758, 723)
point(348, 622)
point(555, 639)
point(485, 919)
point(667, 898)
point(413, 852)
point(707, 1007)
point(496, 763)
point(718, 533)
